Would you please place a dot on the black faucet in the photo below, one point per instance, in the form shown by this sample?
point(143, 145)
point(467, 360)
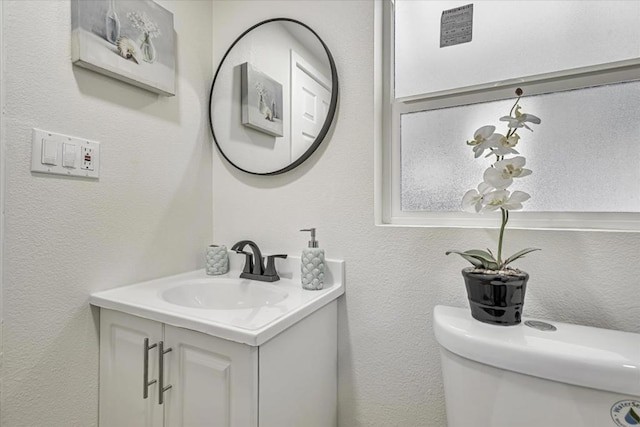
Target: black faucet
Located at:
point(254, 266)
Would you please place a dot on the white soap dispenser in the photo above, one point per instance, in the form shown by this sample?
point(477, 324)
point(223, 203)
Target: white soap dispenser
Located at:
point(312, 264)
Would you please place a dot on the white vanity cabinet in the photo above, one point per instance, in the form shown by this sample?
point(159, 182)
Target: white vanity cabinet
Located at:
point(122, 340)
point(288, 381)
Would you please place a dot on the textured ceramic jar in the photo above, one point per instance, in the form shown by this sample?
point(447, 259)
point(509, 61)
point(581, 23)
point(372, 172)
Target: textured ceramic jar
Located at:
point(217, 260)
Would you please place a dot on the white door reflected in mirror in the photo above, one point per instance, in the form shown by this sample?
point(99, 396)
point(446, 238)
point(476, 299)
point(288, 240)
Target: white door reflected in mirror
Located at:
point(310, 101)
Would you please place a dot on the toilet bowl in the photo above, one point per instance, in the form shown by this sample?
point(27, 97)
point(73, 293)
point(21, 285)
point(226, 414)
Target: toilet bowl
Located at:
point(537, 374)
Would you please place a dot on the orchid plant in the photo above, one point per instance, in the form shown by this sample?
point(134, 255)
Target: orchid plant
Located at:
point(493, 193)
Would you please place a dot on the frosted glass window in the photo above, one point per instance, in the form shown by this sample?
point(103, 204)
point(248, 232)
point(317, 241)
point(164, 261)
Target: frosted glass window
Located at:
point(510, 40)
point(585, 155)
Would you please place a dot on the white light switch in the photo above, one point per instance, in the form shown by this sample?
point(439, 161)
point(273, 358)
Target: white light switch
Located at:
point(49, 152)
point(58, 154)
point(69, 152)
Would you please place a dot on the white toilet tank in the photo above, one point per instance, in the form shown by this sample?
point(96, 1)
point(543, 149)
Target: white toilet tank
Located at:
point(519, 376)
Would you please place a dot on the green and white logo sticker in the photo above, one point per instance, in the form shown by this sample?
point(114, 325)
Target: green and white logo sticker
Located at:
point(626, 413)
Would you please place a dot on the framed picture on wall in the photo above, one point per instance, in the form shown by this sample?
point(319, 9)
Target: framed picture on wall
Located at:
point(261, 101)
point(132, 41)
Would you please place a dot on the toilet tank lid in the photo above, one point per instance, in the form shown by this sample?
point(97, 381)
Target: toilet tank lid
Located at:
point(581, 355)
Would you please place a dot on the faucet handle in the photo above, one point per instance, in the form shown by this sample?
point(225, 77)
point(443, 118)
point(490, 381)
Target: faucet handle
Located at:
point(271, 265)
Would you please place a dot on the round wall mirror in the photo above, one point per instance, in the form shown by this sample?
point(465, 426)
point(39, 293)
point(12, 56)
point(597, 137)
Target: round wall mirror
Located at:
point(273, 97)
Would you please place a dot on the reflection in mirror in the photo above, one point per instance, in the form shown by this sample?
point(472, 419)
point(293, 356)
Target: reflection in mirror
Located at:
point(273, 97)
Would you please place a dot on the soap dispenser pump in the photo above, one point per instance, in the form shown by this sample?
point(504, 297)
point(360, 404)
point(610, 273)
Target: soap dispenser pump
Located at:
point(312, 264)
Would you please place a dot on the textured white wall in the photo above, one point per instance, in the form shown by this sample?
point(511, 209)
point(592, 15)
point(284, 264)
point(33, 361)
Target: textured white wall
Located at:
point(149, 215)
point(389, 362)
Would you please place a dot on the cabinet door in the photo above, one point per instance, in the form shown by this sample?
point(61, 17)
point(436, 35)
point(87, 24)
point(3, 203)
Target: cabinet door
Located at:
point(213, 381)
point(122, 368)
point(299, 373)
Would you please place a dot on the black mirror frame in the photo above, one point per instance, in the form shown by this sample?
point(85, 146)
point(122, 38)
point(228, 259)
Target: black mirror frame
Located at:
point(330, 114)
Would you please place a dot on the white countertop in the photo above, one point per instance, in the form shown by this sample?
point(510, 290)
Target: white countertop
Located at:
point(252, 326)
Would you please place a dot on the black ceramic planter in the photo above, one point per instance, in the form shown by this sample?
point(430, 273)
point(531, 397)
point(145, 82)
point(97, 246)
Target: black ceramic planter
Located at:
point(495, 298)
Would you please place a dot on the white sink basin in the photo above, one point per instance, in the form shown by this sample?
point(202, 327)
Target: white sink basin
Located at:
point(222, 295)
point(226, 306)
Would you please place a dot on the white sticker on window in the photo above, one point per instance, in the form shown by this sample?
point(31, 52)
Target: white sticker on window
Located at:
point(456, 26)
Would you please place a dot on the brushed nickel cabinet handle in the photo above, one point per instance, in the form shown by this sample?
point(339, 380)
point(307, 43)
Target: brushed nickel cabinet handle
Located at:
point(163, 388)
point(145, 376)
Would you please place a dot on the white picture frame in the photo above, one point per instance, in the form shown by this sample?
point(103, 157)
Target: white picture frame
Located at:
point(129, 41)
point(262, 103)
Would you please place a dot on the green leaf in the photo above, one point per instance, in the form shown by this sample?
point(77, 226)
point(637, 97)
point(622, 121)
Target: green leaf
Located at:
point(475, 262)
point(519, 254)
point(486, 256)
point(478, 258)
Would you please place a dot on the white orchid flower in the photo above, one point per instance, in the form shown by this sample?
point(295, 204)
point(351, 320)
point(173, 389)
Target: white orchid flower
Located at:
point(483, 139)
point(504, 145)
point(520, 120)
point(492, 194)
point(501, 175)
point(502, 199)
point(472, 200)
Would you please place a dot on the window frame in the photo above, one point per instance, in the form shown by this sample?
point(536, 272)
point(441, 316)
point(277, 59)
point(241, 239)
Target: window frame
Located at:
point(387, 152)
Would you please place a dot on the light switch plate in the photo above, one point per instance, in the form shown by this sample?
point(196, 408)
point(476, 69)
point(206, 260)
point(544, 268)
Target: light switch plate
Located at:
point(69, 156)
point(49, 152)
point(65, 146)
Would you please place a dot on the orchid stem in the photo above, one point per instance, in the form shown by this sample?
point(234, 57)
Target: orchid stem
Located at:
point(505, 219)
point(515, 104)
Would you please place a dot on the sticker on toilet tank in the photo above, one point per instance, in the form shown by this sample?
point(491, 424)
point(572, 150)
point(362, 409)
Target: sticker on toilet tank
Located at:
point(626, 413)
